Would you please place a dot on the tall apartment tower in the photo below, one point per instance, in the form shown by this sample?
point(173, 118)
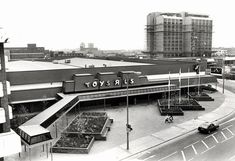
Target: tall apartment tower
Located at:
point(179, 35)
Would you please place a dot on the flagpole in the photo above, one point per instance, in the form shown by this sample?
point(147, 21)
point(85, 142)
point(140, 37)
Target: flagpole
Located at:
point(180, 86)
point(169, 82)
point(188, 83)
point(198, 80)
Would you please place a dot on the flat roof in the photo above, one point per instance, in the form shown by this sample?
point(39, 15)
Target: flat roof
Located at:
point(106, 73)
point(24, 65)
point(160, 77)
point(33, 130)
point(84, 62)
point(44, 115)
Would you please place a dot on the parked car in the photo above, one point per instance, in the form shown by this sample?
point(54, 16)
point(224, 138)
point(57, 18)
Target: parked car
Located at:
point(67, 61)
point(208, 127)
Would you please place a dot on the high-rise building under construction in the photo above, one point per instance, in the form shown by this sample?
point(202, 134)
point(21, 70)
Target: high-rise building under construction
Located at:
point(179, 35)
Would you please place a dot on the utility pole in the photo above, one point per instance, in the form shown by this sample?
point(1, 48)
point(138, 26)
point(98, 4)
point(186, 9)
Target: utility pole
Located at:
point(4, 99)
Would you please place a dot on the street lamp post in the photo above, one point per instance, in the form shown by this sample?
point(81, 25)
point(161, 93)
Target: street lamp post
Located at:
point(127, 114)
point(128, 126)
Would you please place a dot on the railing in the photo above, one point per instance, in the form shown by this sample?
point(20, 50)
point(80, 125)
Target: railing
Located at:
point(123, 92)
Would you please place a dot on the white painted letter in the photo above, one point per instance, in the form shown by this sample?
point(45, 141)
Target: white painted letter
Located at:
point(101, 83)
point(117, 82)
point(131, 81)
point(87, 84)
point(94, 84)
point(108, 83)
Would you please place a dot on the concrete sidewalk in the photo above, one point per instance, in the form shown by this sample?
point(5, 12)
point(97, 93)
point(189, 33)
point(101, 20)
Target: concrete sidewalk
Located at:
point(163, 134)
point(156, 139)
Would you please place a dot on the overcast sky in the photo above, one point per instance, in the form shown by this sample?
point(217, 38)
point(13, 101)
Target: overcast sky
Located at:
point(109, 24)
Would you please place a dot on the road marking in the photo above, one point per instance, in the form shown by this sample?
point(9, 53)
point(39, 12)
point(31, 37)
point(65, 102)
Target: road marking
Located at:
point(231, 157)
point(208, 136)
point(208, 149)
point(215, 139)
point(191, 144)
point(183, 155)
point(194, 150)
point(168, 156)
point(227, 127)
point(230, 131)
point(149, 157)
point(227, 139)
point(190, 159)
point(224, 135)
point(205, 144)
point(212, 147)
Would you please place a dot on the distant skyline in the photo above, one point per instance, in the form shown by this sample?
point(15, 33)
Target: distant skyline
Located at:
point(109, 24)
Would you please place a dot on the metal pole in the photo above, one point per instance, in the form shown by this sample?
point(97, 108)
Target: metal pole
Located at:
point(169, 83)
point(29, 154)
point(180, 86)
point(127, 113)
point(223, 72)
point(4, 99)
point(51, 151)
point(199, 81)
point(56, 134)
point(188, 83)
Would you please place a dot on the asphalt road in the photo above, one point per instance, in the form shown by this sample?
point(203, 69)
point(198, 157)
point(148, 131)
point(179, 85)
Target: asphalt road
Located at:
point(218, 146)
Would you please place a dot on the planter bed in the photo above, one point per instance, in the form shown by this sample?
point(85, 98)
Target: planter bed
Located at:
point(93, 114)
point(90, 125)
point(79, 136)
point(201, 97)
point(208, 88)
point(73, 143)
point(175, 111)
point(185, 104)
point(190, 105)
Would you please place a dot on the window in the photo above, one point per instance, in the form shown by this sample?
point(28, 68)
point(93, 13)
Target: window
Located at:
point(35, 139)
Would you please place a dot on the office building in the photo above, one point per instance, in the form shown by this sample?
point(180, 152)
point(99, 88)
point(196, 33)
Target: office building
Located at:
point(179, 35)
point(29, 52)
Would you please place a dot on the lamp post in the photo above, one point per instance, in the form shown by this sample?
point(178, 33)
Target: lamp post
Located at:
point(128, 126)
point(127, 113)
point(4, 99)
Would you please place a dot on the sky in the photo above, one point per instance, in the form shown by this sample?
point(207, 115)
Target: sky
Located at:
point(109, 24)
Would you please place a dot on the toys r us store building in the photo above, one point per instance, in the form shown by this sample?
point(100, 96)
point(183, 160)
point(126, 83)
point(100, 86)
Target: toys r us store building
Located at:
point(50, 91)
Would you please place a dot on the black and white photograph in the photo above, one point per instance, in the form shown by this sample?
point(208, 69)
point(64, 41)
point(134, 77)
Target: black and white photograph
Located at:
point(117, 80)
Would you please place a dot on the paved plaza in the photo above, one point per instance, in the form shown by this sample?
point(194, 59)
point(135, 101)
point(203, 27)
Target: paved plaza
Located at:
point(146, 122)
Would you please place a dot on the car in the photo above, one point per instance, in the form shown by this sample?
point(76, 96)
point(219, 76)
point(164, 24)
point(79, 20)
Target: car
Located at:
point(208, 127)
point(67, 61)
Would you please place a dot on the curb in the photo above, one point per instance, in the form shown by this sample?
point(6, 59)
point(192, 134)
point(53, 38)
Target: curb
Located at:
point(182, 135)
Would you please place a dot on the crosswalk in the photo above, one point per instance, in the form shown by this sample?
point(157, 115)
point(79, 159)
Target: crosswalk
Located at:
point(191, 151)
